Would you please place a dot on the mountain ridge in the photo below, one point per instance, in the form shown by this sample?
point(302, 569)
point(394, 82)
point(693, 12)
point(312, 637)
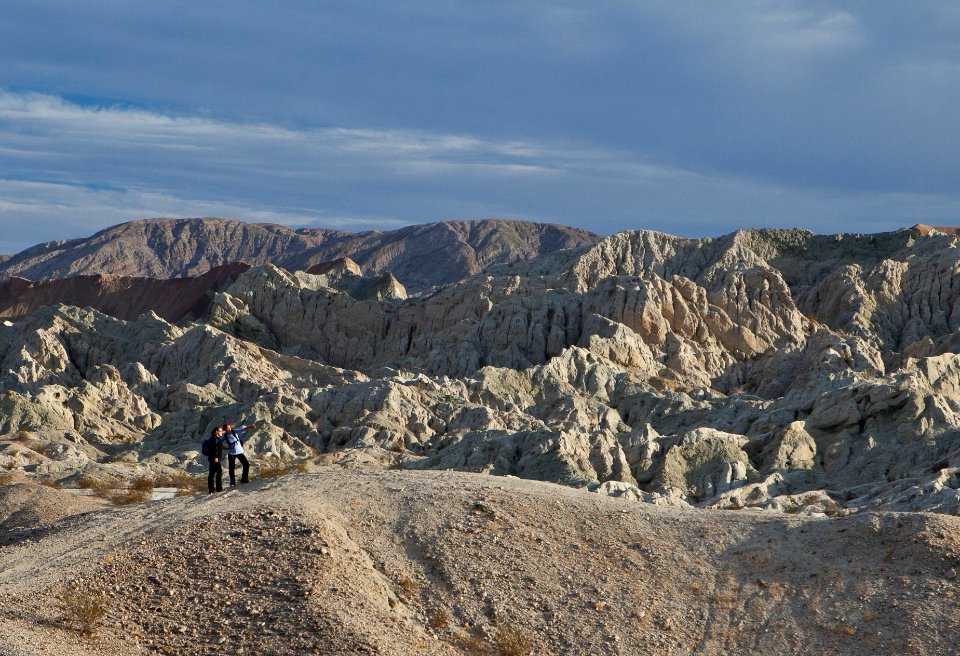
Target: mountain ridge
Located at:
point(172, 248)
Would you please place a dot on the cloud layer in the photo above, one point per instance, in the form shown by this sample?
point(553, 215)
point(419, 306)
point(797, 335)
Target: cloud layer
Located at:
point(676, 116)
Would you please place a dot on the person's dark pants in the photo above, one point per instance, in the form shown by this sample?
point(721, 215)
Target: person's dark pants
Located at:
point(215, 477)
point(245, 474)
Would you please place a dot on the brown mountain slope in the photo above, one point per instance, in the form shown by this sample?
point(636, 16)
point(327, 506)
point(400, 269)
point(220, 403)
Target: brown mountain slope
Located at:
point(923, 229)
point(124, 297)
point(422, 256)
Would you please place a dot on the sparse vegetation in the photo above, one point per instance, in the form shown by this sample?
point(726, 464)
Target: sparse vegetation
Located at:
point(142, 485)
point(83, 610)
point(6, 477)
point(408, 587)
point(186, 484)
point(473, 646)
point(95, 483)
point(38, 447)
point(49, 482)
point(847, 630)
point(832, 509)
point(128, 496)
point(439, 619)
point(511, 642)
point(276, 468)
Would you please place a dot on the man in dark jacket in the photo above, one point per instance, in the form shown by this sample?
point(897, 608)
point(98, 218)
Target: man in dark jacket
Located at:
point(213, 448)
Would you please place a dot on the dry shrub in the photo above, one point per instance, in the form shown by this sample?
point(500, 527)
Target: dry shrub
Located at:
point(49, 482)
point(276, 468)
point(83, 610)
point(142, 485)
point(185, 483)
point(832, 509)
point(439, 619)
point(511, 642)
point(126, 497)
point(663, 384)
point(23, 435)
point(408, 587)
point(6, 478)
point(472, 646)
point(98, 485)
point(725, 600)
point(38, 447)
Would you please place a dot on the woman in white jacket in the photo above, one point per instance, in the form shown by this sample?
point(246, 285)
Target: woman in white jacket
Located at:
point(233, 444)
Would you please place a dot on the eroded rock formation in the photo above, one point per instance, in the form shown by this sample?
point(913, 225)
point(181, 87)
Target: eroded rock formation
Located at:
point(773, 369)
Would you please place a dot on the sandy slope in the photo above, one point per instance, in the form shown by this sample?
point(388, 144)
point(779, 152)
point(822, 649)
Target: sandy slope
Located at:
point(366, 561)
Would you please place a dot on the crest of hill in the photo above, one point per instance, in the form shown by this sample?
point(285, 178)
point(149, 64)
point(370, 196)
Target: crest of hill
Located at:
point(923, 229)
point(421, 256)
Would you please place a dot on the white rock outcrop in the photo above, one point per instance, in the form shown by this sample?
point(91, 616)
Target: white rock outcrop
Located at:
point(745, 370)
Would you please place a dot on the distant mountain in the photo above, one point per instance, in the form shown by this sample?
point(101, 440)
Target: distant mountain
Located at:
point(420, 256)
point(124, 297)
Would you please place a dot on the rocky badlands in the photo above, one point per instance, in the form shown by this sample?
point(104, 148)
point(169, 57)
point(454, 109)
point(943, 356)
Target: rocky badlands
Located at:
point(560, 444)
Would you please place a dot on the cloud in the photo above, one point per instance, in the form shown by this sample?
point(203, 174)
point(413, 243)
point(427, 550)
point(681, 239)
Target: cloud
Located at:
point(618, 113)
point(35, 212)
point(81, 168)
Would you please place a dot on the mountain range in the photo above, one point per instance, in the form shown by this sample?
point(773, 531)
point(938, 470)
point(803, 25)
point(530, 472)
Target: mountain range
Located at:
point(420, 256)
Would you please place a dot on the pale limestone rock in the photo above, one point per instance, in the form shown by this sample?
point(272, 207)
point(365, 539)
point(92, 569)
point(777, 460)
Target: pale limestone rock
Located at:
point(792, 448)
point(705, 463)
point(742, 371)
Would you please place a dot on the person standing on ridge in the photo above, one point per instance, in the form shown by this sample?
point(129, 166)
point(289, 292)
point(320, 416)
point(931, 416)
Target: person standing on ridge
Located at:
point(233, 441)
point(212, 448)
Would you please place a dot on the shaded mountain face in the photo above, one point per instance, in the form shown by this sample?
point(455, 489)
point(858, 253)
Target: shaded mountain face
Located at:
point(421, 257)
point(123, 297)
point(776, 369)
point(173, 299)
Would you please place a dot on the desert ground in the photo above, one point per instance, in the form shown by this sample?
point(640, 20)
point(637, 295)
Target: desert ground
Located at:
point(373, 561)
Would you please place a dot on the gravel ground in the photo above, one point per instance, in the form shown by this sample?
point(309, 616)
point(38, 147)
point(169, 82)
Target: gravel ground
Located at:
point(394, 562)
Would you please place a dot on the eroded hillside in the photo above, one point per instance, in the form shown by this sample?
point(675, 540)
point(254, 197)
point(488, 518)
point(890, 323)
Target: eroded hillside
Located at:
point(344, 561)
point(771, 369)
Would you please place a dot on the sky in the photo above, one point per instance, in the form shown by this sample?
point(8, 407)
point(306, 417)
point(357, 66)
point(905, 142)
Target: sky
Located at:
point(691, 117)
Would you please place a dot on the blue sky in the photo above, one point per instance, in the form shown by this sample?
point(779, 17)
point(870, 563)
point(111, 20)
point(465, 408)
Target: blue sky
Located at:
point(696, 118)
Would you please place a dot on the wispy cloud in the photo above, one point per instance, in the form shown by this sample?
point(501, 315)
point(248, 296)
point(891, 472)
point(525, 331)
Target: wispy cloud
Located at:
point(683, 116)
point(73, 169)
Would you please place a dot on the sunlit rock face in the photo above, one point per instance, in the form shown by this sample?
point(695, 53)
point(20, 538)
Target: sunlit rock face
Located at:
point(756, 369)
